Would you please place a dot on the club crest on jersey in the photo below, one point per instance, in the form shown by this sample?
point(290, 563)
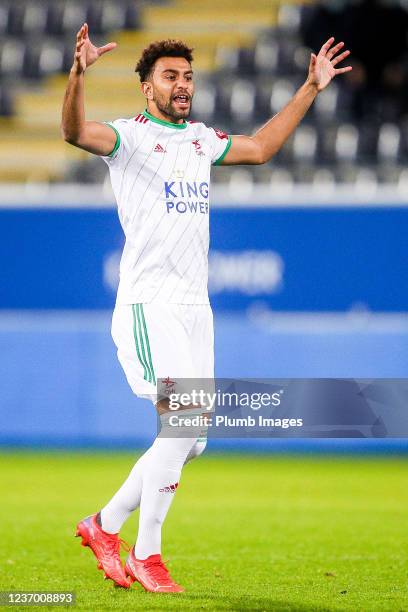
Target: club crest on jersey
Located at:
point(197, 146)
point(168, 382)
point(167, 386)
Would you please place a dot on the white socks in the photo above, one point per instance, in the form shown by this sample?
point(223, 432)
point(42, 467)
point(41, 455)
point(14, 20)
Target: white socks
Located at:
point(127, 499)
point(161, 476)
point(149, 485)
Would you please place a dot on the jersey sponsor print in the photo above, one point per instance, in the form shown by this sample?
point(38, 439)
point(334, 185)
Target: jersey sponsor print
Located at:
point(160, 174)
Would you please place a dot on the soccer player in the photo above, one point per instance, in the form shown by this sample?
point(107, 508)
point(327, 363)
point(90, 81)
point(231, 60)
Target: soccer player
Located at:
point(162, 324)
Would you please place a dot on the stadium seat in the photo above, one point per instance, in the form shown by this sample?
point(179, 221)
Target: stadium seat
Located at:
point(35, 18)
point(242, 101)
point(301, 59)
point(204, 101)
point(51, 58)
point(262, 174)
point(253, 79)
point(65, 18)
point(304, 173)
point(102, 17)
point(27, 18)
point(281, 181)
point(388, 172)
point(106, 16)
point(12, 53)
point(227, 58)
point(324, 181)
point(72, 16)
point(366, 182)
point(241, 183)
point(326, 103)
point(289, 17)
point(346, 172)
point(347, 141)
point(389, 142)
point(305, 143)
point(282, 92)
point(266, 56)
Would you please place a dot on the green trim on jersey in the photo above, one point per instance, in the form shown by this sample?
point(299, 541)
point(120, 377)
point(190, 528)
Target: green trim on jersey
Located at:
point(176, 126)
point(117, 143)
point(142, 343)
point(227, 148)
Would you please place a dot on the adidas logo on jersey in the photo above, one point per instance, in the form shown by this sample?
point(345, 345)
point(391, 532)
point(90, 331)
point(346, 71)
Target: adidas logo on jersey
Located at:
point(159, 149)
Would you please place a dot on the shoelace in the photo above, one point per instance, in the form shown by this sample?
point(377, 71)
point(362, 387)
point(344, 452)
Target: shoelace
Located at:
point(122, 543)
point(159, 571)
point(116, 543)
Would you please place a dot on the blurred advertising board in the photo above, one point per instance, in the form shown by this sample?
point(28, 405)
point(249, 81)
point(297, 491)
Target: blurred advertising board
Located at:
point(288, 259)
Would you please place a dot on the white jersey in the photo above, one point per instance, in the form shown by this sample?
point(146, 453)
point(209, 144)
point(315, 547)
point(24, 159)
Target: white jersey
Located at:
point(160, 174)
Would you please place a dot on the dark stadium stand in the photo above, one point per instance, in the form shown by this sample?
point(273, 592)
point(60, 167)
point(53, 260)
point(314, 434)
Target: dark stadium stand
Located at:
point(251, 82)
point(37, 37)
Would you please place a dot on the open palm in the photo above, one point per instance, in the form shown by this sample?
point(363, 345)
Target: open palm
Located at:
point(322, 68)
point(86, 53)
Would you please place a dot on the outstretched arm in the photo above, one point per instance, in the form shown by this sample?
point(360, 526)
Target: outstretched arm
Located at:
point(92, 136)
point(259, 148)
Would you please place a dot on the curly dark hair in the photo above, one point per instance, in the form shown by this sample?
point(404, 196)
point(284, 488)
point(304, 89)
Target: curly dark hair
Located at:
point(161, 48)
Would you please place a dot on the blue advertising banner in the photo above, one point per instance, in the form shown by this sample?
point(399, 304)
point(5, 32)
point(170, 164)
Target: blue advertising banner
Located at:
point(300, 259)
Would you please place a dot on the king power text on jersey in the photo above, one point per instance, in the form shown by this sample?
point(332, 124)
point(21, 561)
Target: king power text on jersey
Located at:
point(185, 197)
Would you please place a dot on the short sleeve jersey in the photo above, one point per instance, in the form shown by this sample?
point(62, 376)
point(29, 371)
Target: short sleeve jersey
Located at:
point(160, 174)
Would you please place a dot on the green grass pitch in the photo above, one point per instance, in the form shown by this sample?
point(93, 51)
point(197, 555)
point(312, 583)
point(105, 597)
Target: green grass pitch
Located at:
point(244, 532)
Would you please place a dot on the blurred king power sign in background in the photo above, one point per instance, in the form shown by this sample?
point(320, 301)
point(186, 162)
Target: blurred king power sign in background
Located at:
point(286, 259)
point(308, 258)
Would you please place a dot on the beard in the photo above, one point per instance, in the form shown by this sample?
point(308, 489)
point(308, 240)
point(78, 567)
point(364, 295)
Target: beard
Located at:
point(168, 107)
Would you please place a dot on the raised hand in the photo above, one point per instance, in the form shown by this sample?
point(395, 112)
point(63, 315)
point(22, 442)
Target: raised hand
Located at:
point(322, 68)
point(86, 53)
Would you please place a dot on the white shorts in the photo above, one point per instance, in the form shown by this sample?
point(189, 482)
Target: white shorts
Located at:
point(158, 341)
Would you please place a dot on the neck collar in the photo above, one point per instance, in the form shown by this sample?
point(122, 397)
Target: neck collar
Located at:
point(176, 126)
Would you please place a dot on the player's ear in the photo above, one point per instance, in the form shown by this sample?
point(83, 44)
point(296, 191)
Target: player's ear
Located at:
point(147, 89)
